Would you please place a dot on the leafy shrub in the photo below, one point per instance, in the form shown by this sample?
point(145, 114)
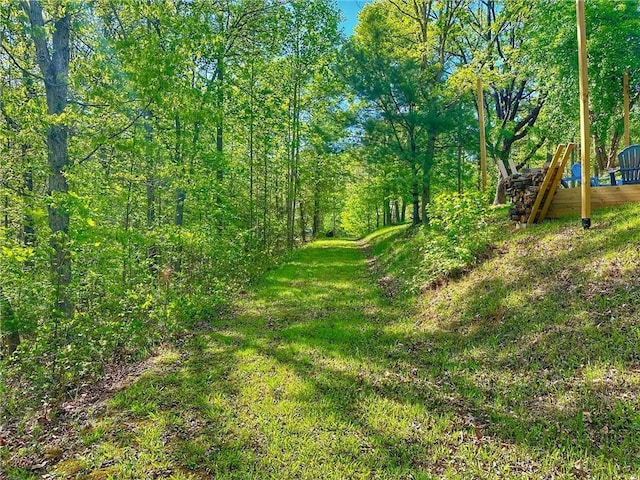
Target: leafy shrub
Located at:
point(461, 228)
point(457, 233)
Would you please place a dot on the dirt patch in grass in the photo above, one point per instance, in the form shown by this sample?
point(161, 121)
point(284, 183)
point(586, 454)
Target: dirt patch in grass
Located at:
point(50, 434)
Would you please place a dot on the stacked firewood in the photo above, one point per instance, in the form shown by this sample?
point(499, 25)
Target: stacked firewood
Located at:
point(523, 188)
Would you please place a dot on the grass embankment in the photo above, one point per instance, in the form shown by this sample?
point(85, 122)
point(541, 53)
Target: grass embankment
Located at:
point(525, 367)
point(539, 345)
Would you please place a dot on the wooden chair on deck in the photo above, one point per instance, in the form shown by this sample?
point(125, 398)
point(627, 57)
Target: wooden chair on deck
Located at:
point(576, 176)
point(629, 160)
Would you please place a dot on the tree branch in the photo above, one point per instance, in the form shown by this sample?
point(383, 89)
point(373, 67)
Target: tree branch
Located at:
point(17, 64)
point(116, 134)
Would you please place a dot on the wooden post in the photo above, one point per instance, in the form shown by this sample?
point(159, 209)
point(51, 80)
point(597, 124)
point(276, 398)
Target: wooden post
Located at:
point(483, 140)
point(625, 86)
point(585, 146)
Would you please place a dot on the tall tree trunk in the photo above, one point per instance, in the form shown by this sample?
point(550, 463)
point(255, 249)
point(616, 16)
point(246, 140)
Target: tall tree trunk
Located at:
point(426, 198)
point(460, 169)
point(251, 152)
point(181, 193)
point(126, 260)
point(152, 250)
point(385, 207)
point(220, 124)
point(220, 140)
point(316, 210)
point(9, 334)
point(416, 202)
point(54, 67)
point(28, 228)
point(181, 196)
point(265, 200)
point(293, 176)
point(303, 226)
point(426, 176)
point(289, 189)
point(416, 196)
point(6, 213)
point(334, 214)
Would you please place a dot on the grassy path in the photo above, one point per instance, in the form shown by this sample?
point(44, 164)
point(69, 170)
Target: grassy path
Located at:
point(319, 376)
point(299, 385)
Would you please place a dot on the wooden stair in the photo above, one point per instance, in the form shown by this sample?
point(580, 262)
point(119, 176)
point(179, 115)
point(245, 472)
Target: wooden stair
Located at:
point(550, 183)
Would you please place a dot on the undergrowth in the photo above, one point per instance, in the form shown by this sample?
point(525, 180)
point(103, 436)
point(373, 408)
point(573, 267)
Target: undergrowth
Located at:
point(462, 231)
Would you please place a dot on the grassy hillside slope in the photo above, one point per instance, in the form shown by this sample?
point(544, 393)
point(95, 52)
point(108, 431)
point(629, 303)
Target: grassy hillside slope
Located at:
point(540, 343)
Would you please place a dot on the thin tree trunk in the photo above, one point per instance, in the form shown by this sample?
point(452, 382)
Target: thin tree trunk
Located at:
point(387, 211)
point(6, 213)
point(127, 221)
point(416, 202)
point(334, 213)
point(289, 196)
point(251, 153)
point(219, 126)
point(426, 176)
point(54, 67)
point(8, 326)
point(152, 250)
point(303, 225)
point(501, 191)
point(293, 177)
point(385, 207)
point(181, 194)
point(316, 210)
point(29, 231)
point(460, 169)
point(265, 199)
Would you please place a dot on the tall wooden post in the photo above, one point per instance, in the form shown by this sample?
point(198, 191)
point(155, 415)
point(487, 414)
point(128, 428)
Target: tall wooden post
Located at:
point(483, 139)
point(585, 146)
point(625, 87)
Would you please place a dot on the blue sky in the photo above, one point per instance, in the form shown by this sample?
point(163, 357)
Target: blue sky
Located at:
point(350, 8)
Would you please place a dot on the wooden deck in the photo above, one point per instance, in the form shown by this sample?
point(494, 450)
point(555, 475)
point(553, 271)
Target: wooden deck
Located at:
point(567, 201)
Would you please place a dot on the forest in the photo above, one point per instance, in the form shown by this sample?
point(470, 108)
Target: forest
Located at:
point(158, 158)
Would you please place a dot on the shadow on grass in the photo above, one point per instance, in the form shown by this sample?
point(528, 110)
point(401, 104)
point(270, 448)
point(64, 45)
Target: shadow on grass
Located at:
point(320, 376)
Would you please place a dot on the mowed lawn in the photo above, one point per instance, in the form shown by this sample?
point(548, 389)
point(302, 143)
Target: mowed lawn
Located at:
point(320, 375)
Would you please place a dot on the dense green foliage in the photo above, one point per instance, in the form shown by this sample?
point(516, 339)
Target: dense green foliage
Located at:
point(461, 233)
point(189, 152)
point(613, 49)
point(412, 67)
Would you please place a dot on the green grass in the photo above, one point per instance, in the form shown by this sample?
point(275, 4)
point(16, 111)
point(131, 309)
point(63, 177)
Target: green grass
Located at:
point(526, 367)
